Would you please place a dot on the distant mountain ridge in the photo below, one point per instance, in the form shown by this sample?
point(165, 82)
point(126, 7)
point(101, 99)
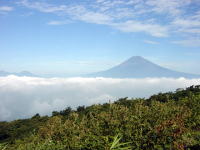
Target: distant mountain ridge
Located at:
point(139, 67)
point(22, 73)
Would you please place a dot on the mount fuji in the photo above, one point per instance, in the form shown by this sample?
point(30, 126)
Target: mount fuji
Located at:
point(139, 67)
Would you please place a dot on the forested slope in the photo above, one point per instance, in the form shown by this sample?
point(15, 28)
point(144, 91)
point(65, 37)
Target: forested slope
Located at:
point(164, 121)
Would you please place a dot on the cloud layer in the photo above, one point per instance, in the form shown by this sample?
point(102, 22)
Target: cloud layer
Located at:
point(22, 97)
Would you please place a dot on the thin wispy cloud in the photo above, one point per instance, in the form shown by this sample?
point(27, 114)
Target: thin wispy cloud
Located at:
point(151, 42)
point(58, 22)
point(172, 7)
point(191, 42)
point(128, 16)
point(42, 6)
point(133, 26)
point(110, 13)
point(5, 9)
point(188, 22)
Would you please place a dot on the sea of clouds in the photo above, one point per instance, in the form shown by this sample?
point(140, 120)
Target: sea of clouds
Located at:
point(22, 97)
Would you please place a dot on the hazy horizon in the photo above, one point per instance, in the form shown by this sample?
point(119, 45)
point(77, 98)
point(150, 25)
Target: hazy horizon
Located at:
point(81, 74)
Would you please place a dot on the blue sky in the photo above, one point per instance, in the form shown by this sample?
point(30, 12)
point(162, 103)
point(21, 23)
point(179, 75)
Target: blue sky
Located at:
point(71, 37)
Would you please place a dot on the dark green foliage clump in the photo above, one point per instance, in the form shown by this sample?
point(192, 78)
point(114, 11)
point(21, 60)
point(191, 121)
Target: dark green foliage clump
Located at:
point(166, 121)
point(18, 129)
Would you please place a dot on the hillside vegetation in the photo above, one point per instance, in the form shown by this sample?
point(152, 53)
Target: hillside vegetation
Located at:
point(166, 121)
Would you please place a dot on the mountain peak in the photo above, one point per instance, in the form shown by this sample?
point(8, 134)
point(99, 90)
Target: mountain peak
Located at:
point(136, 60)
point(136, 57)
point(139, 67)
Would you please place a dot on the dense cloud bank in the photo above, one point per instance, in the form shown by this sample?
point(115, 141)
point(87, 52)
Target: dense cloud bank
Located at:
point(22, 97)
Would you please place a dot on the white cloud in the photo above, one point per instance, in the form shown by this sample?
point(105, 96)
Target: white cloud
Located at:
point(105, 14)
point(4, 9)
point(93, 17)
point(191, 42)
point(191, 26)
point(22, 97)
point(151, 42)
point(42, 6)
point(134, 26)
point(187, 23)
point(58, 22)
point(158, 18)
point(172, 7)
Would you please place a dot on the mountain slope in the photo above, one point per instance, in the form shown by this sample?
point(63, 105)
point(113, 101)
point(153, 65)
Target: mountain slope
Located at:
point(138, 67)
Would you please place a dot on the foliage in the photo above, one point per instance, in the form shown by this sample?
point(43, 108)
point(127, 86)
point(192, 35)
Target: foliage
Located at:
point(164, 121)
point(116, 145)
